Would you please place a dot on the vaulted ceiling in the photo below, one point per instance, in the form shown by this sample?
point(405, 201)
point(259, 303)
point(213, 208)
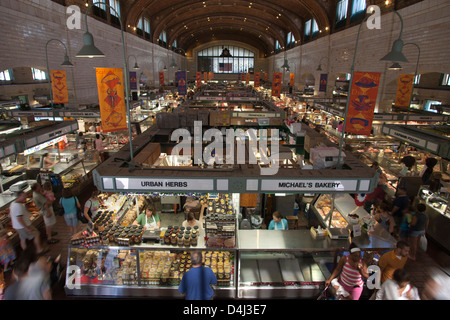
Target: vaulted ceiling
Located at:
point(257, 22)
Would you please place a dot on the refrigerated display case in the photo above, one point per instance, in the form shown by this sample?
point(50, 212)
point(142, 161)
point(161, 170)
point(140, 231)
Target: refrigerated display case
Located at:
point(438, 212)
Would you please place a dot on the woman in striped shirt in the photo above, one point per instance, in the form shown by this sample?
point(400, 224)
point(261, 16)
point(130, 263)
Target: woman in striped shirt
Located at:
point(351, 269)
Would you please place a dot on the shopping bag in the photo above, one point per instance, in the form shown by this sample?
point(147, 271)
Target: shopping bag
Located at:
point(423, 242)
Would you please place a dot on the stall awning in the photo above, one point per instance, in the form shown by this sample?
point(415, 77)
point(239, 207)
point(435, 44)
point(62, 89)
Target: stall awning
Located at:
point(420, 138)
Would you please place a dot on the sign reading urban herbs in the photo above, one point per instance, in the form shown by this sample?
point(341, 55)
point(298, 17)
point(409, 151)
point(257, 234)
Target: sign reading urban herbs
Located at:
point(164, 184)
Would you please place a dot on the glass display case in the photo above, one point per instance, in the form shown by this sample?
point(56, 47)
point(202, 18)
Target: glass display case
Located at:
point(438, 213)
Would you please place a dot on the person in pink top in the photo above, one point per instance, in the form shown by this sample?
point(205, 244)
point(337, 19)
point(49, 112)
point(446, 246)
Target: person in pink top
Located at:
point(351, 269)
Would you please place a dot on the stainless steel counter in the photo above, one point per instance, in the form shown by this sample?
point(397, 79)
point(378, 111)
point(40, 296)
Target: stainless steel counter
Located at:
point(301, 240)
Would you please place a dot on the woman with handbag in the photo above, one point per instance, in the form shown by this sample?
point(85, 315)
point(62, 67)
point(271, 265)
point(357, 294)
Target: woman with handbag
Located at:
point(417, 228)
point(71, 205)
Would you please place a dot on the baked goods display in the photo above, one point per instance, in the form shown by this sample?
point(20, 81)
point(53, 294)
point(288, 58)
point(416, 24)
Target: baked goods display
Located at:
point(159, 268)
point(323, 207)
point(220, 223)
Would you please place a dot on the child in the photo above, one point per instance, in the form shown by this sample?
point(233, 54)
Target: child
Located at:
point(407, 219)
point(48, 192)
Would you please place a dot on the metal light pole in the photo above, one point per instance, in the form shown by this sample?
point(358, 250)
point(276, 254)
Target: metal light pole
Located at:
point(89, 50)
point(394, 55)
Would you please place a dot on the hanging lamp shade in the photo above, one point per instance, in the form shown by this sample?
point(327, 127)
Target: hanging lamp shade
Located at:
point(173, 64)
point(319, 68)
point(396, 54)
point(89, 50)
point(67, 62)
point(285, 65)
point(136, 67)
point(395, 66)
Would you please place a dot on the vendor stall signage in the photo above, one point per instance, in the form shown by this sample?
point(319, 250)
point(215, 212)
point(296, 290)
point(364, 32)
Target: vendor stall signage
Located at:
point(363, 97)
point(111, 99)
point(59, 86)
point(164, 184)
point(309, 185)
point(408, 138)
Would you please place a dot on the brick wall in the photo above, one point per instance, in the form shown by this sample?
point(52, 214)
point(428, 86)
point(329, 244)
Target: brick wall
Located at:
point(27, 25)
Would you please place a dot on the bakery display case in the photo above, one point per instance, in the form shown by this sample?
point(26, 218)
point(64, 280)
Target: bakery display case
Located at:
point(438, 212)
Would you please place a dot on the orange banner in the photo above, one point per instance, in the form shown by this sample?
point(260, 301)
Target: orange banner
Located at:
point(276, 84)
point(211, 76)
point(257, 75)
point(161, 78)
point(198, 77)
point(59, 86)
point(111, 99)
point(265, 77)
point(205, 77)
point(247, 79)
point(404, 90)
point(292, 79)
point(363, 97)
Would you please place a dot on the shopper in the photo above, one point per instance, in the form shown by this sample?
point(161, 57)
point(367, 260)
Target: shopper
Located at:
point(399, 205)
point(383, 217)
point(99, 147)
point(149, 218)
point(398, 288)
point(430, 163)
point(418, 228)
point(406, 220)
point(19, 273)
point(351, 269)
point(191, 221)
point(278, 222)
point(407, 163)
point(377, 195)
point(437, 285)
point(20, 219)
point(33, 279)
point(80, 141)
point(196, 283)
point(48, 163)
point(46, 209)
point(393, 260)
point(7, 252)
point(92, 205)
point(70, 204)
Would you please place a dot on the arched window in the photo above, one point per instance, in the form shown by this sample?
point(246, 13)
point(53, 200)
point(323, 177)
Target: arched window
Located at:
point(225, 59)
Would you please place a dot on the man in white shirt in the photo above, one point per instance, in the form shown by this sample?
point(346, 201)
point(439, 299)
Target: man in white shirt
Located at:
point(20, 218)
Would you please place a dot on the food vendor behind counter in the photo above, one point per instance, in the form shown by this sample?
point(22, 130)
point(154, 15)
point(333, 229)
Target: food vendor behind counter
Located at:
point(149, 218)
point(278, 222)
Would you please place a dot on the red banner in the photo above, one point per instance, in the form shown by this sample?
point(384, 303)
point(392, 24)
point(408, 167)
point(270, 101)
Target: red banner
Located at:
point(404, 90)
point(265, 77)
point(363, 97)
point(276, 84)
point(205, 77)
point(161, 78)
point(211, 76)
point(198, 77)
point(292, 79)
point(59, 86)
point(111, 99)
point(247, 78)
point(257, 75)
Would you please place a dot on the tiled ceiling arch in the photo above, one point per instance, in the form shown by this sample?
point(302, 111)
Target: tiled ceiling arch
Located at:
point(259, 22)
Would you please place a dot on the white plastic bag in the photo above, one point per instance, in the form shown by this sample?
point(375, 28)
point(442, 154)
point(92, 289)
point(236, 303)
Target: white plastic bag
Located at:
point(423, 242)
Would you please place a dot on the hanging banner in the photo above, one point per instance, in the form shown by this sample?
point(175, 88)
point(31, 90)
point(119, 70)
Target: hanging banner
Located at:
point(247, 78)
point(205, 77)
point(404, 90)
point(242, 76)
point(111, 99)
point(276, 84)
point(198, 77)
point(161, 78)
point(133, 80)
point(180, 78)
point(256, 84)
point(323, 82)
point(292, 79)
point(363, 97)
point(211, 76)
point(265, 77)
point(59, 86)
